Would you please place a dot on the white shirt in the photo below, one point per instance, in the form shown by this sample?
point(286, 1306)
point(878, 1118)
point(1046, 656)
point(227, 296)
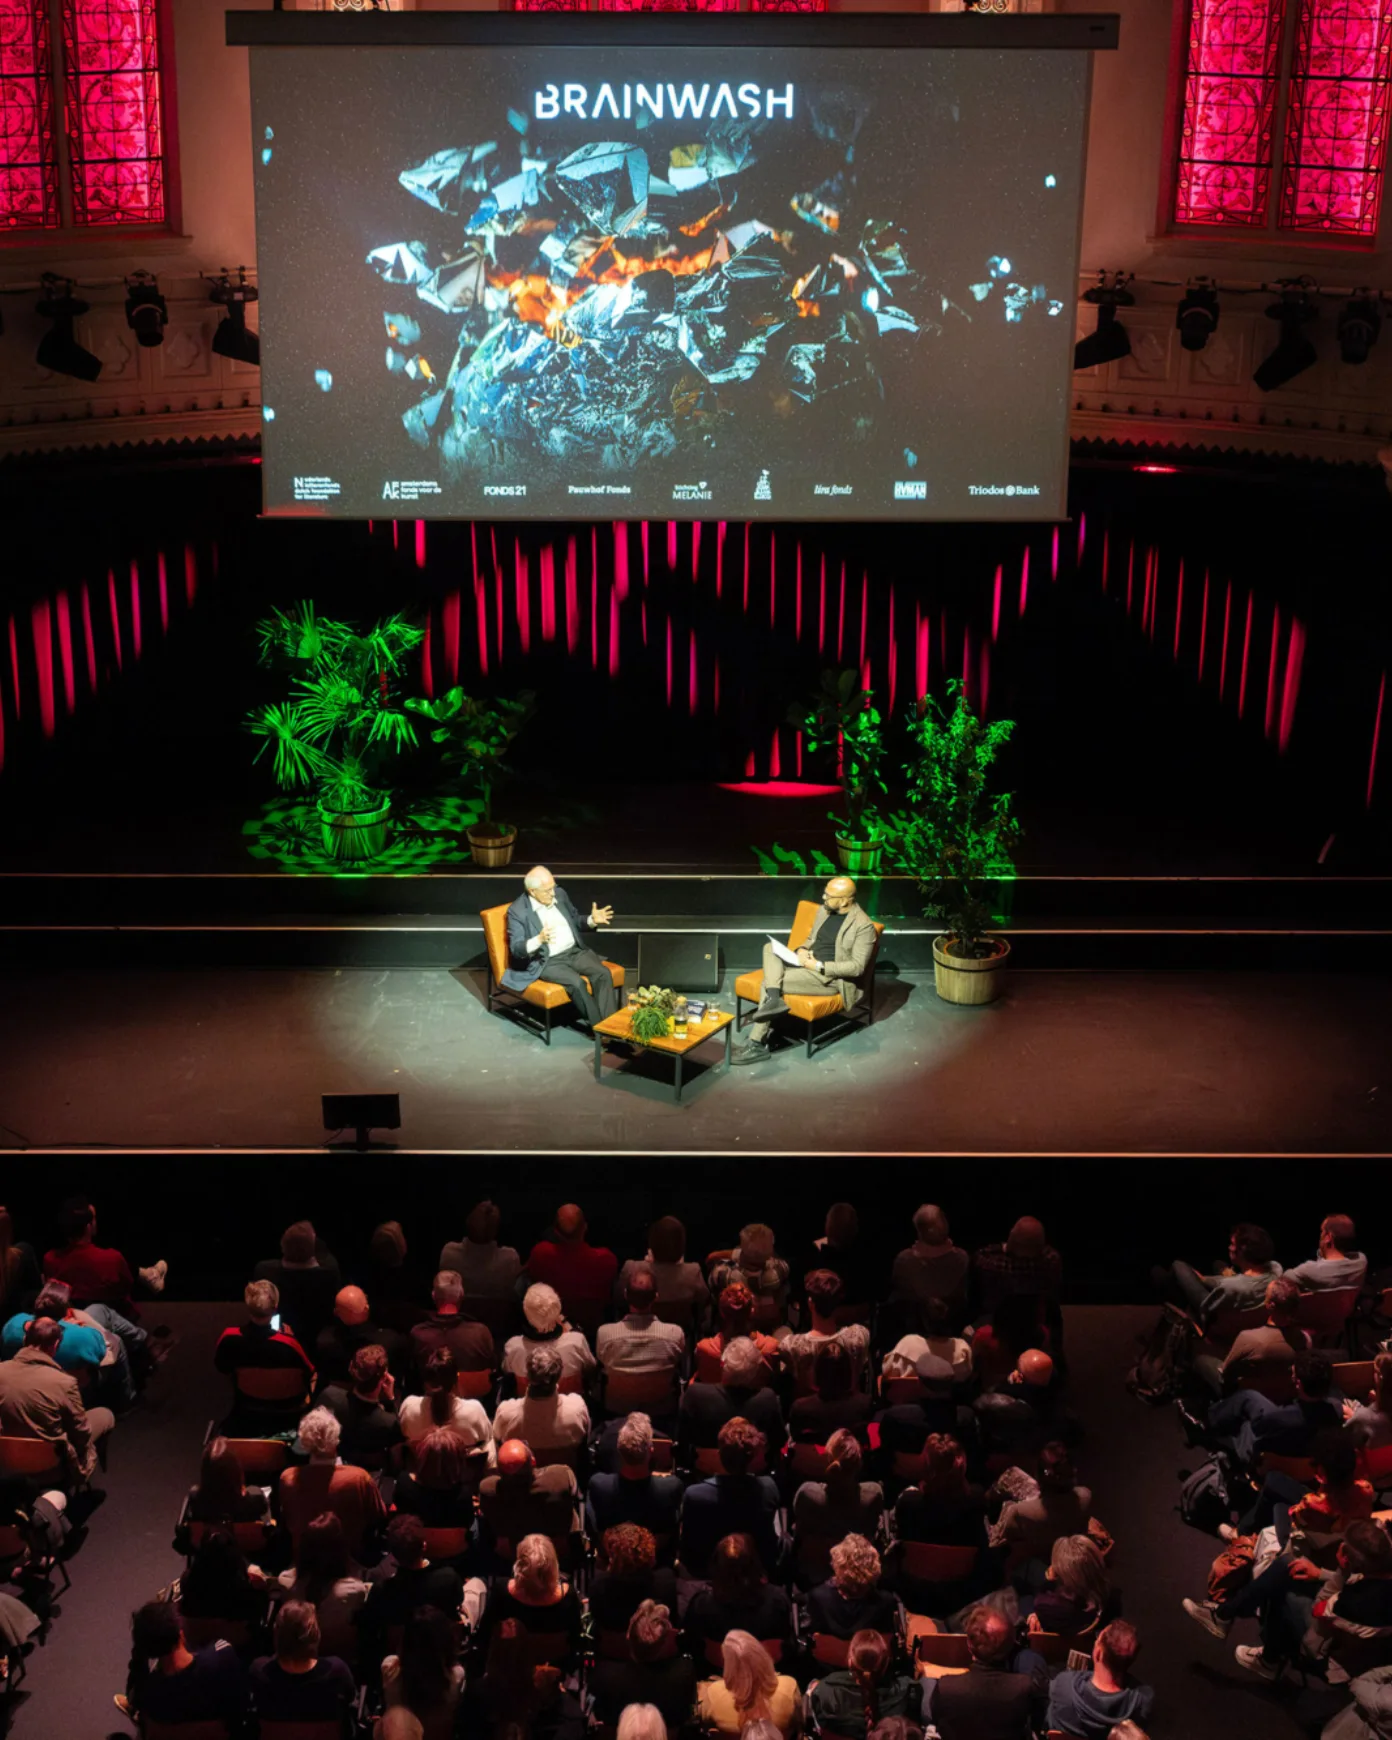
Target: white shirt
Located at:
point(640, 1344)
point(562, 936)
point(901, 1360)
point(467, 1415)
point(545, 1422)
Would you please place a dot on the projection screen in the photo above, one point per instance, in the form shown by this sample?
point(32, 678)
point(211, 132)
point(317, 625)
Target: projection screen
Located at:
point(657, 266)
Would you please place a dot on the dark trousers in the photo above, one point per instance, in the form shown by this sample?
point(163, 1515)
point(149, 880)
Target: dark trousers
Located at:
point(571, 968)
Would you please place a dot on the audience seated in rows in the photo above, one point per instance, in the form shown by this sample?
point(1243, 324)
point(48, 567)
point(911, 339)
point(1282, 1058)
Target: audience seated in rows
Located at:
point(324, 1483)
point(545, 1326)
point(633, 1493)
point(488, 1270)
point(299, 1683)
point(38, 1399)
point(306, 1278)
point(735, 1306)
point(348, 1332)
point(364, 1404)
point(544, 1417)
point(449, 1327)
point(740, 1389)
point(680, 1284)
point(325, 1575)
point(640, 1342)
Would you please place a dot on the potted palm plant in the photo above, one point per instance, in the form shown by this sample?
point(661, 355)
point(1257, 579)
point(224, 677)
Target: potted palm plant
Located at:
point(956, 835)
point(475, 737)
point(844, 716)
point(342, 725)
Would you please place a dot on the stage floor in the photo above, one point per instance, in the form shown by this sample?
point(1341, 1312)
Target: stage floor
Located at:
point(1202, 1063)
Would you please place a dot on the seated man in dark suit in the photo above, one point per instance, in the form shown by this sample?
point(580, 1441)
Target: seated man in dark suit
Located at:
point(634, 1494)
point(522, 1499)
point(990, 1701)
point(734, 1502)
point(742, 1392)
point(543, 942)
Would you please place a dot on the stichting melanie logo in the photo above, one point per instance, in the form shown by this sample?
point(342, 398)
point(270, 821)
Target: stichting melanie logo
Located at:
point(763, 490)
point(691, 491)
point(914, 490)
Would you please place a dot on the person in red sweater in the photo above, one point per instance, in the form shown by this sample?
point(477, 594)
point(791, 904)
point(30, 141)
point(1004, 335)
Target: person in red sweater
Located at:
point(325, 1483)
point(97, 1274)
point(580, 1272)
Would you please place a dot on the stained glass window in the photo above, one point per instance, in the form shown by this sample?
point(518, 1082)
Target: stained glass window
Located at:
point(550, 5)
point(28, 157)
point(787, 5)
point(668, 5)
point(1336, 124)
point(113, 111)
point(1229, 97)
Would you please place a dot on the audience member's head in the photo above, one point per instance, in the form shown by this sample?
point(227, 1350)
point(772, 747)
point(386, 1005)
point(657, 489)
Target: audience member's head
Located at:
point(54, 1299)
point(1127, 1730)
point(350, 1306)
point(447, 1292)
point(298, 1244)
point(629, 1551)
point(319, 1434)
point(1337, 1236)
point(485, 1219)
point(1250, 1246)
point(741, 1445)
point(406, 1539)
point(221, 1481)
point(736, 1307)
point(536, 1572)
point(667, 1240)
point(832, 1372)
point(640, 1721)
point(1115, 1649)
point(321, 1558)
point(1056, 1470)
point(842, 1225)
point(156, 1631)
point(736, 1570)
point(1035, 1368)
point(944, 1467)
point(867, 1659)
point(387, 1246)
point(887, 1728)
point(1314, 1375)
point(442, 1459)
point(541, 1306)
point(516, 1463)
point(1078, 1570)
point(262, 1300)
point(439, 1378)
point(844, 1459)
point(297, 1634)
point(1027, 1238)
point(989, 1634)
point(367, 1370)
point(1282, 1301)
point(543, 1371)
point(934, 1376)
point(825, 1293)
point(77, 1220)
point(640, 1292)
point(936, 1314)
point(1366, 1550)
point(570, 1224)
point(756, 1246)
point(635, 1444)
point(930, 1227)
point(741, 1364)
point(651, 1634)
point(1335, 1456)
point(43, 1333)
point(855, 1567)
point(749, 1674)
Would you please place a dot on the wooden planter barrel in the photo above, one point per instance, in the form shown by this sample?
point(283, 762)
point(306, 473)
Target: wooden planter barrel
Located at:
point(492, 851)
point(858, 857)
point(959, 979)
point(351, 836)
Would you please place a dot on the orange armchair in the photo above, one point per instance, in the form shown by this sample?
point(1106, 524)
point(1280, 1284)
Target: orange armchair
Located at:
point(809, 1009)
point(540, 994)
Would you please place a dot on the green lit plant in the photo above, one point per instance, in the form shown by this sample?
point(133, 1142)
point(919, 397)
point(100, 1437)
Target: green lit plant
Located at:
point(844, 717)
point(956, 833)
point(475, 737)
point(343, 724)
point(652, 1013)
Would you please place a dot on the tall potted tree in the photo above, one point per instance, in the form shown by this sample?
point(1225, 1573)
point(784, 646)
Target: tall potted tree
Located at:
point(475, 737)
point(955, 835)
point(844, 716)
point(343, 724)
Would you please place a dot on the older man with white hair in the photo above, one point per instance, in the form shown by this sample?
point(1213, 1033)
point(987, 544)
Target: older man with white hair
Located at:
point(831, 962)
point(543, 941)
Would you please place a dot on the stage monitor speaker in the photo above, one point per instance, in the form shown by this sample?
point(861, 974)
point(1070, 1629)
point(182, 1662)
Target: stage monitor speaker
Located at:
point(687, 960)
point(361, 1112)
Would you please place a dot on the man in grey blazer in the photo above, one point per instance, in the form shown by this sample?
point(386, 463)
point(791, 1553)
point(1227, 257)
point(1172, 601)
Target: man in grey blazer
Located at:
point(833, 960)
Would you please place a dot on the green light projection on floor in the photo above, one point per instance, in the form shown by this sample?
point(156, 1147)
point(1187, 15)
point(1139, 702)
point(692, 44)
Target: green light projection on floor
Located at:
point(425, 834)
point(781, 861)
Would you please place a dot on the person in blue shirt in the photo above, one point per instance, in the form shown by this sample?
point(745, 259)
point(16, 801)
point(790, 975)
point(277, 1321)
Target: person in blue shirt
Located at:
point(88, 1338)
point(182, 1685)
point(1091, 1704)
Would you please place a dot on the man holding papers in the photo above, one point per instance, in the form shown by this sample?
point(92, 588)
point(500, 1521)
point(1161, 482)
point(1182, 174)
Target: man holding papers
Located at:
point(833, 960)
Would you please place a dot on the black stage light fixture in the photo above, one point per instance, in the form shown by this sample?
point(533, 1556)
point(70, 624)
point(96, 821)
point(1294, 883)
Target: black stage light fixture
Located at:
point(1294, 353)
point(361, 1112)
point(58, 349)
point(1197, 314)
point(147, 313)
point(233, 337)
point(1360, 320)
point(1110, 341)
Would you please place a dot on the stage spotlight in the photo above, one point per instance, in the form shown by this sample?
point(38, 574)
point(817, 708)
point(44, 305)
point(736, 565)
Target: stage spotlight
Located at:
point(1294, 352)
point(147, 313)
point(233, 337)
point(58, 349)
point(1360, 320)
point(1110, 341)
point(1197, 314)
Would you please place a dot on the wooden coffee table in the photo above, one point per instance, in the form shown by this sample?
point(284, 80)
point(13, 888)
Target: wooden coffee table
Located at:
point(620, 1026)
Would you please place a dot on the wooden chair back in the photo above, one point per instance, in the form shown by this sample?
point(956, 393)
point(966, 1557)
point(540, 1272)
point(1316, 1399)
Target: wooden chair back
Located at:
point(807, 1461)
point(28, 1455)
point(900, 1389)
point(251, 1537)
point(948, 1649)
point(1354, 1378)
point(447, 1543)
point(1326, 1313)
point(927, 1562)
point(270, 1383)
point(494, 922)
point(262, 1459)
point(475, 1384)
point(644, 1392)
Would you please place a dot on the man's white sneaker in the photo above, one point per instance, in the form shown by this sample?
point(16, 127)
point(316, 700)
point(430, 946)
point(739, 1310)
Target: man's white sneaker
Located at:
point(153, 1277)
point(1249, 1655)
point(1226, 1532)
point(1201, 1612)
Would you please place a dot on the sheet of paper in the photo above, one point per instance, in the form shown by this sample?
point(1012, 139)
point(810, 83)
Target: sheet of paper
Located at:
point(783, 952)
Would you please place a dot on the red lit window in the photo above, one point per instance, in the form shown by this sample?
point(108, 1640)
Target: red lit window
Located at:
point(668, 6)
point(107, 166)
point(787, 5)
point(1314, 135)
point(550, 5)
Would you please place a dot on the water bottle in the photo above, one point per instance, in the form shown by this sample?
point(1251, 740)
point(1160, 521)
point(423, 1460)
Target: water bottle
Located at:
point(679, 1018)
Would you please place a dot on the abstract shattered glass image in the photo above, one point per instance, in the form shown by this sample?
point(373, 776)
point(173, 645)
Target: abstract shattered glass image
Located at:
point(633, 301)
